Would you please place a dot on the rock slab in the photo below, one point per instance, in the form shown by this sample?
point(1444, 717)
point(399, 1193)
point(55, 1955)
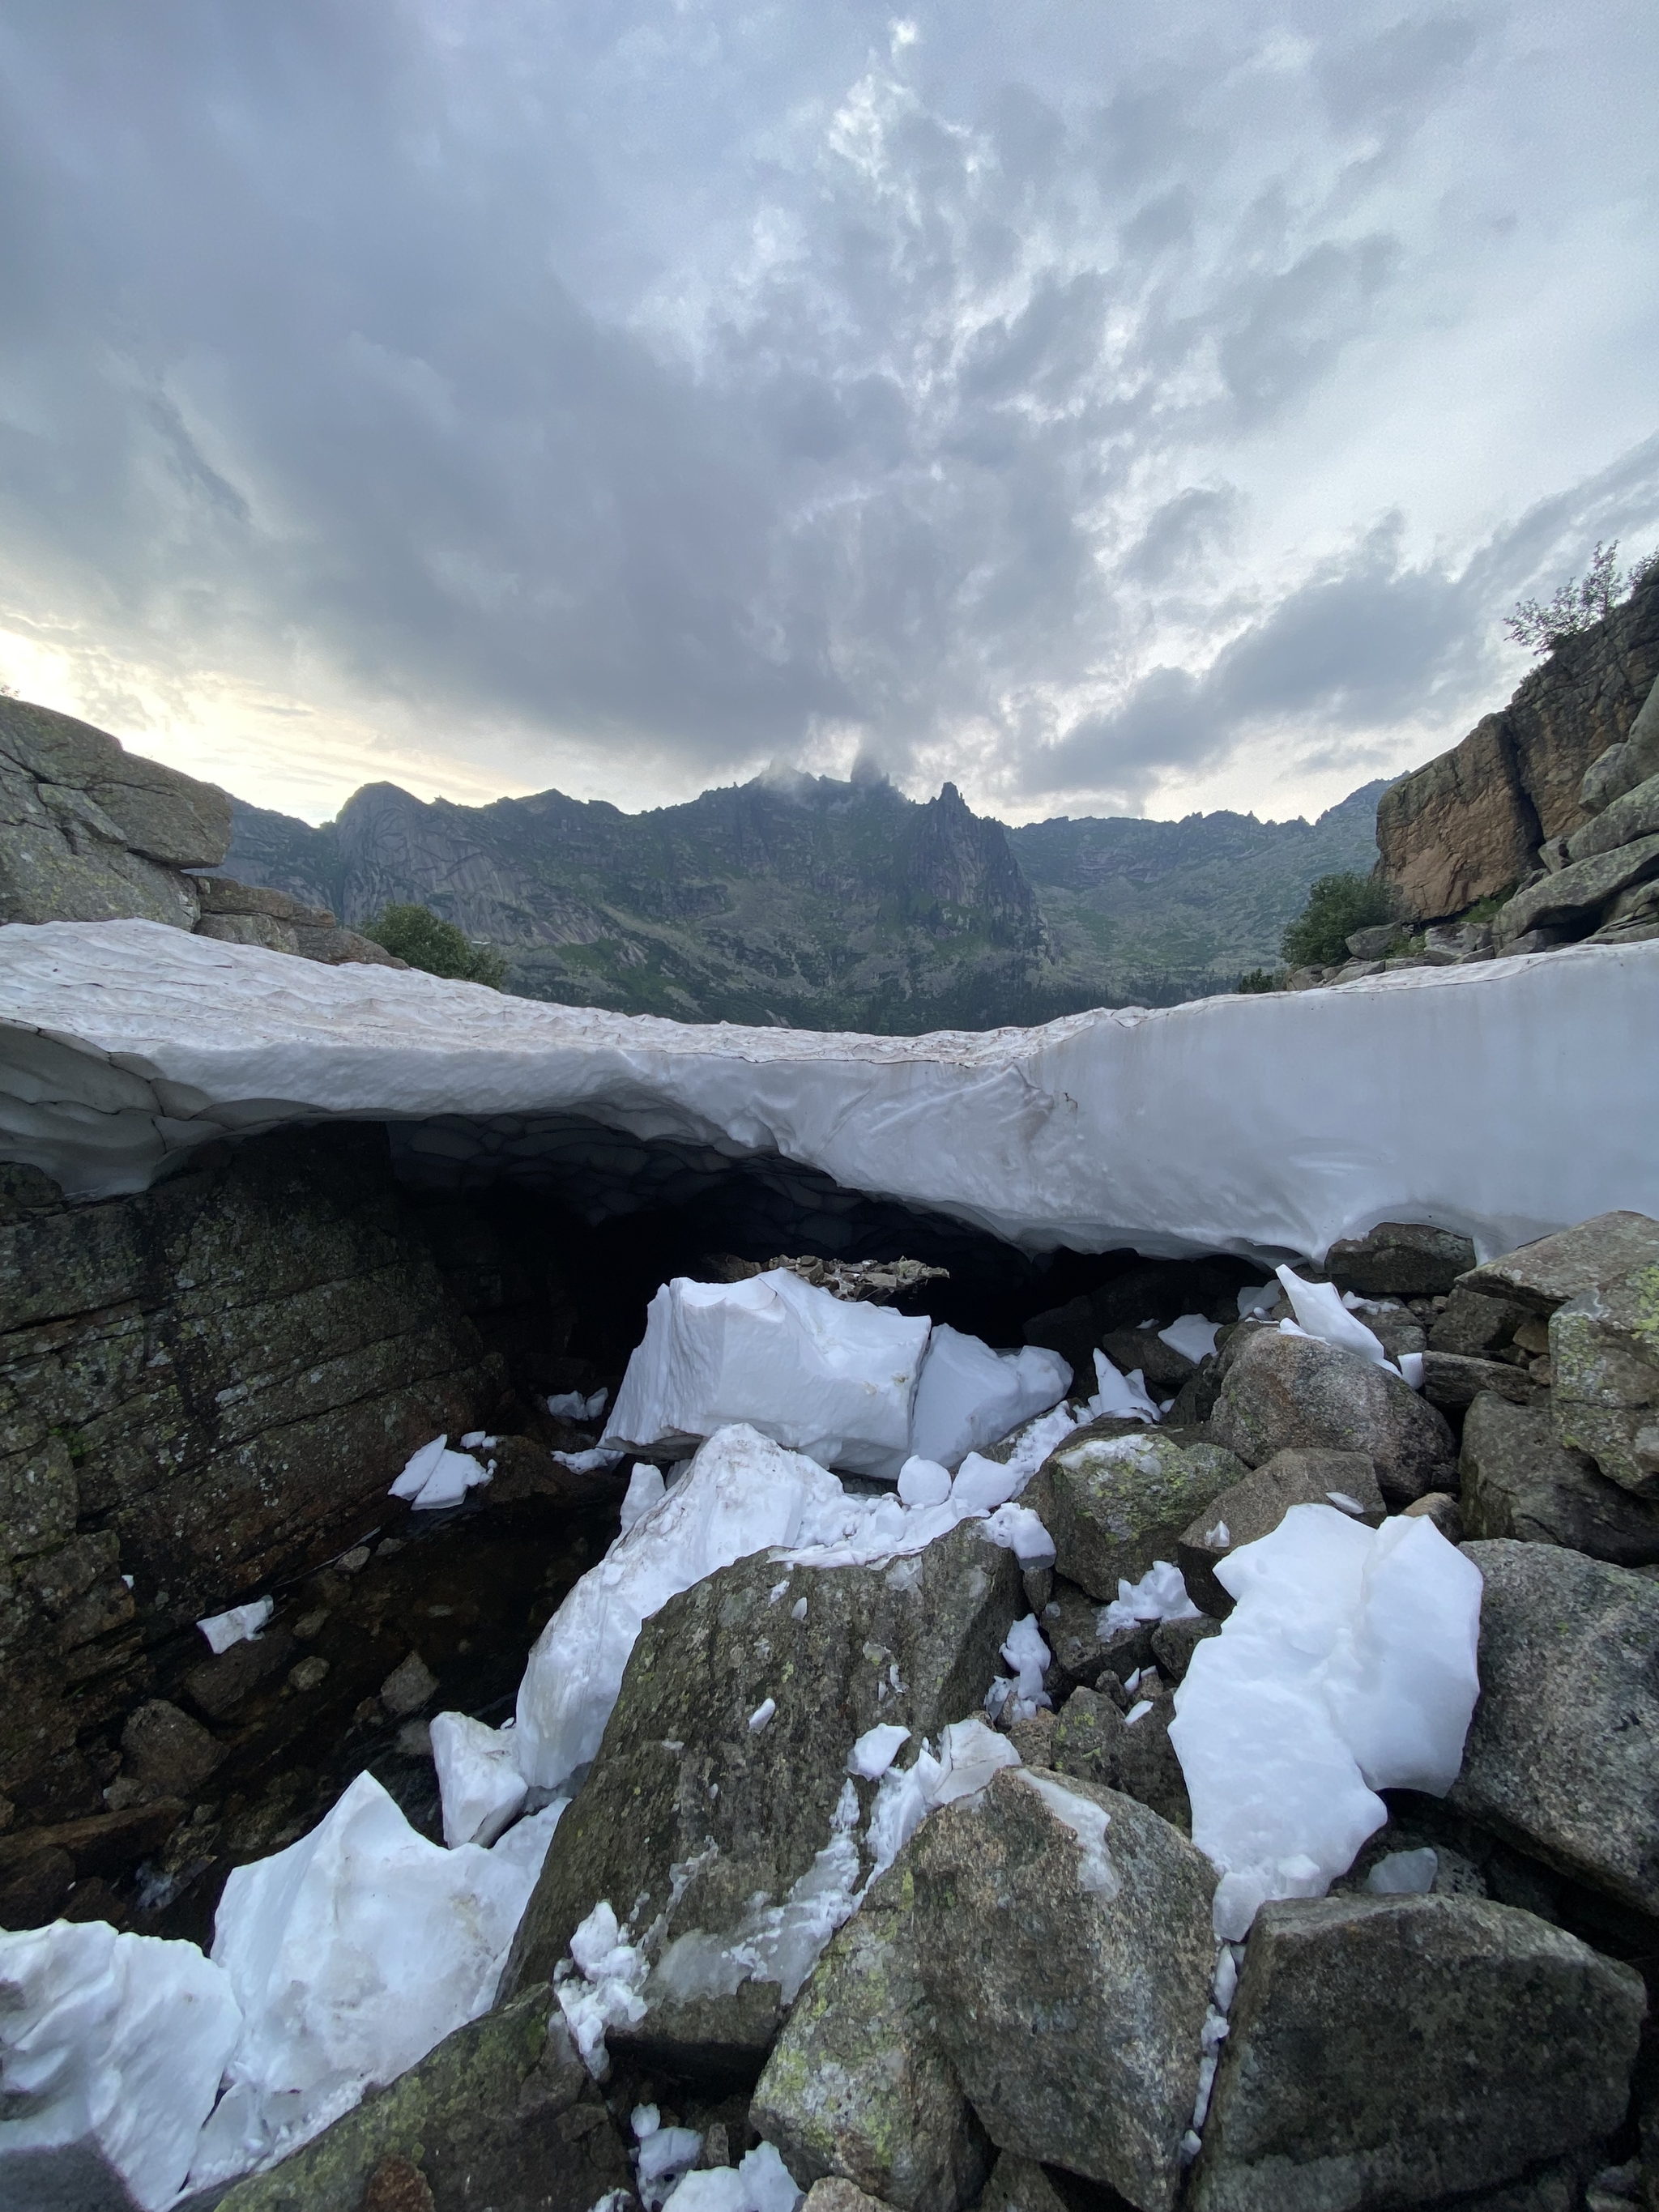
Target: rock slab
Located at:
point(1399, 2051)
point(1519, 1482)
point(1285, 1393)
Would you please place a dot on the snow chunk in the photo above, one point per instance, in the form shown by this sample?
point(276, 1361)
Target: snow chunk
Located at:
point(1088, 1822)
point(646, 1488)
point(1404, 1874)
point(1029, 1655)
point(602, 1988)
point(571, 1406)
point(436, 1477)
point(968, 1396)
point(478, 1778)
point(743, 1493)
point(762, 1714)
point(760, 2182)
point(1019, 1530)
point(1192, 1336)
point(119, 2038)
point(351, 1954)
point(1319, 1312)
point(665, 2155)
point(815, 1374)
point(1347, 1665)
point(1160, 1594)
point(923, 1482)
point(1120, 1394)
point(876, 1750)
point(240, 1625)
point(1257, 1298)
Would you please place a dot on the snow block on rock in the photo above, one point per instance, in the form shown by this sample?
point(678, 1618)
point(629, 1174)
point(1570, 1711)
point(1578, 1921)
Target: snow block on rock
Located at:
point(1347, 1665)
point(134, 1042)
point(1404, 2050)
point(114, 2042)
point(969, 1396)
point(351, 1954)
point(814, 1373)
point(1063, 1934)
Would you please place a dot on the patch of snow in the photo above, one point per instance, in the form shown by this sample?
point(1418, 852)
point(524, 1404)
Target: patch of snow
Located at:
point(762, 1714)
point(663, 2156)
point(1088, 1823)
point(1137, 1712)
point(646, 1488)
point(1319, 1312)
point(479, 1440)
point(969, 1754)
point(1029, 1657)
point(1118, 1394)
point(923, 1482)
point(337, 1991)
point(1019, 1530)
point(1411, 1365)
point(478, 1778)
point(760, 2182)
point(968, 1396)
point(1343, 1503)
point(597, 1461)
point(436, 1477)
point(743, 1494)
point(1160, 1594)
point(117, 2039)
point(571, 1406)
point(1221, 1535)
point(798, 1611)
point(1404, 1874)
point(1347, 1665)
point(812, 1371)
point(600, 1988)
point(1192, 1336)
point(876, 1750)
point(240, 1625)
point(1257, 1298)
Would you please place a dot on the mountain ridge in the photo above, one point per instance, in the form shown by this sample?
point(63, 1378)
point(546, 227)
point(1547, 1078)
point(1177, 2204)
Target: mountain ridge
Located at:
point(817, 904)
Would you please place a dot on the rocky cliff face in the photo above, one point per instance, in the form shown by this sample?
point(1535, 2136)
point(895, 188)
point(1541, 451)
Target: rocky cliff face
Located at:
point(1468, 825)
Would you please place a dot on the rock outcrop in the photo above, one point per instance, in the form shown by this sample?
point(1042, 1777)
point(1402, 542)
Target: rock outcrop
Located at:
point(1469, 824)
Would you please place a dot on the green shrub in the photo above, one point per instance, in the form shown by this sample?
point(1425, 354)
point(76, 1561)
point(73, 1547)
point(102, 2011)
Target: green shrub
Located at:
point(1579, 604)
point(415, 933)
point(1337, 905)
point(1258, 978)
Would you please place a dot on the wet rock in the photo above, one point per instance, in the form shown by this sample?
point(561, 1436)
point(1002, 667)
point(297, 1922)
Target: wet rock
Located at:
point(1118, 1503)
point(1564, 1742)
point(1284, 1393)
point(1544, 1274)
point(690, 1815)
point(1070, 1628)
point(501, 2114)
point(1064, 1936)
point(166, 1751)
point(411, 1685)
point(1255, 1507)
point(857, 2085)
point(1399, 1259)
point(218, 1685)
point(1604, 1366)
point(1518, 1481)
point(1402, 2050)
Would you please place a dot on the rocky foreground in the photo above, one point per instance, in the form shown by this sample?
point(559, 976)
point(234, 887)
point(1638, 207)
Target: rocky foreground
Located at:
point(898, 1873)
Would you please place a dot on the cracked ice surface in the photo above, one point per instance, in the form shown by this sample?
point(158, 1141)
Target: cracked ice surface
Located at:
point(1277, 1123)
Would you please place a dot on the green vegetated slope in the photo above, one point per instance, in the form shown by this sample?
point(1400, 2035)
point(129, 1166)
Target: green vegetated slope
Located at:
point(821, 904)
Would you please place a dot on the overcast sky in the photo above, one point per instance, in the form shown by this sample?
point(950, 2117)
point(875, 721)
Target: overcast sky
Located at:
point(1114, 409)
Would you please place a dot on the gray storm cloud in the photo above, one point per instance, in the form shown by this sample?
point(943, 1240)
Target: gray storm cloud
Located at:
point(669, 387)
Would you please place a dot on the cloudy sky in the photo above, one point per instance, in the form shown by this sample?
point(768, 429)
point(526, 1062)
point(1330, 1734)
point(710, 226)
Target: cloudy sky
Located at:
point(1116, 409)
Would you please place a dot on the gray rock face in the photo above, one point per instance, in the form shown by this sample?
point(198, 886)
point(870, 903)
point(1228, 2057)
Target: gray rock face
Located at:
point(1095, 1743)
point(501, 2114)
point(1476, 1324)
point(1069, 1621)
point(1519, 1482)
point(691, 1815)
point(1543, 1275)
point(1020, 2184)
point(1401, 2051)
point(90, 833)
point(167, 1752)
point(1634, 814)
point(1578, 892)
point(1604, 1357)
point(1286, 1393)
point(1562, 1750)
point(857, 2084)
point(1118, 1503)
point(1450, 1379)
point(1254, 1508)
point(1399, 1259)
point(253, 914)
point(1064, 1936)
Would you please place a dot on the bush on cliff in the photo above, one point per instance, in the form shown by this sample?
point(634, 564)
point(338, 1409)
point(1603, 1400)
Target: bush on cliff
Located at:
point(1579, 604)
point(419, 936)
point(1337, 905)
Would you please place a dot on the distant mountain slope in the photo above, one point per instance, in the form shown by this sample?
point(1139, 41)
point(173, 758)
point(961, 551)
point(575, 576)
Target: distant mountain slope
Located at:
point(823, 905)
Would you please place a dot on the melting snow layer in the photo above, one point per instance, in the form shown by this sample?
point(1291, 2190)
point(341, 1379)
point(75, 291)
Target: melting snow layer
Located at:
point(1199, 1127)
